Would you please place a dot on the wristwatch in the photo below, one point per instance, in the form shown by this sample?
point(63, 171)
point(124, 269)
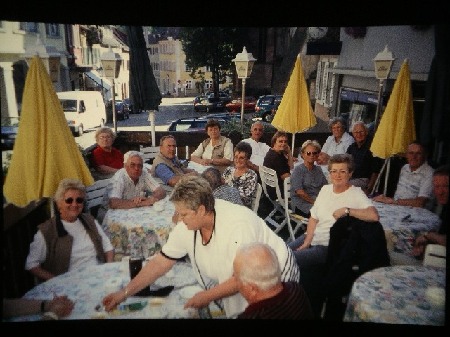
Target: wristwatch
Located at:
point(347, 211)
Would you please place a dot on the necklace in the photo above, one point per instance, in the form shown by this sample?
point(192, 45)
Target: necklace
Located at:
point(212, 232)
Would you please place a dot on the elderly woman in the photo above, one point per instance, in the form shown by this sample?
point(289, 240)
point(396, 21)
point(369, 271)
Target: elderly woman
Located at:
point(217, 150)
point(70, 239)
point(337, 143)
point(335, 200)
point(279, 158)
point(106, 159)
point(240, 175)
point(209, 232)
point(307, 179)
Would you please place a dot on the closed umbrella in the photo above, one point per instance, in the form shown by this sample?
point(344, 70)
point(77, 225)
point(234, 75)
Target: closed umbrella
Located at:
point(396, 129)
point(295, 113)
point(144, 90)
point(45, 150)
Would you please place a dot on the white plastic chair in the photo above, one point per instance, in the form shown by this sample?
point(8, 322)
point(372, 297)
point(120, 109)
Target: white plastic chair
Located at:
point(300, 221)
point(94, 194)
point(269, 179)
point(149, 153)
point(257, 198)
point(435, 255)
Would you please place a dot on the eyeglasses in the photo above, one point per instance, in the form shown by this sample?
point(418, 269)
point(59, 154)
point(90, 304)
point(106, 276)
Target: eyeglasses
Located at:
point(338, 172)
point(312, 153)
point(105, 137)
point(139, 166)
point(70, 200)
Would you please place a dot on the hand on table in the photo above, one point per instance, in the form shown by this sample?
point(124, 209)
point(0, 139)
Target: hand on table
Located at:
point(62, 306)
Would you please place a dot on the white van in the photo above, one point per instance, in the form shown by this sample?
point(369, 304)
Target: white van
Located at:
point(83, 110)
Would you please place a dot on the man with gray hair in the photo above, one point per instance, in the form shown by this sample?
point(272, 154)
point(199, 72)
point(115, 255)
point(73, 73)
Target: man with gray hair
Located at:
point(220, 189)
point(132, 186)
point(258, 275)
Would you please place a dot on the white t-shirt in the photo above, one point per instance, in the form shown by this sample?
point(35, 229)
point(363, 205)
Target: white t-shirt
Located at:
point(234, 225)
point(83, 250)
point(259, 151)
point(327, 202)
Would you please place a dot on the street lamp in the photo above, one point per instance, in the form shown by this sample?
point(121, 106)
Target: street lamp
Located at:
point(111, 65)
point(49, 55)
point(244, 65)
point(383, 63)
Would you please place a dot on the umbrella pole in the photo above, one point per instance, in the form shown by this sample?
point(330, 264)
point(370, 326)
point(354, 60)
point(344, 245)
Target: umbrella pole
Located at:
point(388, 167)
point(293, 143)
point(377, 182)
point(151, 119)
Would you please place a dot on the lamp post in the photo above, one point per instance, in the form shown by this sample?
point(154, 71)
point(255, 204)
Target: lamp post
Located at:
point(244, 65)
point(111, 65)
point(383, 63)
point(49, 55)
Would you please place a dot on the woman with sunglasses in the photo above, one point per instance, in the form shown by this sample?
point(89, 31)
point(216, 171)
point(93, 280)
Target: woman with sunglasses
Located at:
point(307, 179)
point(75, 240)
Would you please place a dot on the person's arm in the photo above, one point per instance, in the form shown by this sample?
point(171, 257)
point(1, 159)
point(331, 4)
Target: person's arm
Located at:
point(61, 306)
point(106, 169)
point(366, 214)
point(153, 269)
point(197, 155)
point(414, 202)
point(109, 256)
point(305, 196)
point(310, 229)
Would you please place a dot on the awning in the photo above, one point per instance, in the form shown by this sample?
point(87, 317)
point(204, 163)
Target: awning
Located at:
point(97, 81)
point(359, 96)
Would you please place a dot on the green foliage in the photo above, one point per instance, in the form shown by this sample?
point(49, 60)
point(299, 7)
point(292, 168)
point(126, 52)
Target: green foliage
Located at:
point(213, 47)
point(234, 126)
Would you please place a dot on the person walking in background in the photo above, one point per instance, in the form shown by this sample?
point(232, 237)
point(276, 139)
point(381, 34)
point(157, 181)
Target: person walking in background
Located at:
point(414, 187)
point(105, 158)
point(166, 164)
point(216, 150)
point(259, 149)
point(258, 276)
point(367, 167)
point(220, 189)
point(307, 179)
point(70, 239)
point(240, 175)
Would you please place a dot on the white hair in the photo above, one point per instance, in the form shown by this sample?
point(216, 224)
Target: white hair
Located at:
point(131, 154)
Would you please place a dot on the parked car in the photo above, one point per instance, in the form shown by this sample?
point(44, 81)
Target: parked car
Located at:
point(130, 106)
point(223, 96)
point(190, 124)
point(9, 134)
point(208, 105)
point(235, 105)
point(122, 111)
point(266, 106)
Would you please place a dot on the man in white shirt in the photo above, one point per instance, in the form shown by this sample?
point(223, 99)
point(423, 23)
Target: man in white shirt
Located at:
point(259, 149)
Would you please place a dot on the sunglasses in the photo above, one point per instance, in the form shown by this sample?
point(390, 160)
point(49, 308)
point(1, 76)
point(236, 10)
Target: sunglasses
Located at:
point(77, 200)
point(312, 153)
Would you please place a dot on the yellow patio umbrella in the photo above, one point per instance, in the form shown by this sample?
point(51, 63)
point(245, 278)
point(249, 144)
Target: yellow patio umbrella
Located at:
point(45, 150)
point(397, 128)
point(295, 113)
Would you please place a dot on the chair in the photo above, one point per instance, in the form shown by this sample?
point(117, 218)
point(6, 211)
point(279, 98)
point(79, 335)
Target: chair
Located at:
point(257, 198)
point(94, 195)
point(149, 153)
point(269, 179)
point(300, 222)
point(435, 255)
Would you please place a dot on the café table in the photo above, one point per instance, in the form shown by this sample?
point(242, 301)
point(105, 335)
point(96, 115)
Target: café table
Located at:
point(398, 295)
point(402, 224)
point(198, 167)
point(140, 231)
point(88, 285)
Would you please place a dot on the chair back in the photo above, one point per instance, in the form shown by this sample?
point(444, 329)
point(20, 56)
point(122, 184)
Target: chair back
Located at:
point(95, 192)
point(435, 255)
point(149, 153)
point(269, 178)
point(257, 198)
point(300, 221)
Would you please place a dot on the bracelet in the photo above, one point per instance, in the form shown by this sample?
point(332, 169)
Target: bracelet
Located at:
point(126, 292)
point(43, 306)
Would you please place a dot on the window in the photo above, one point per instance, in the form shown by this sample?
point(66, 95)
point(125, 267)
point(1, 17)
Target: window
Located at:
point(31, 27)
point(208, 84)
point(325, 82)
point(188, 84)
point(52, 29)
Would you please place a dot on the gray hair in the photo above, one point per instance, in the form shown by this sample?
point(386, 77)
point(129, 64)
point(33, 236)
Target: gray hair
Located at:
point(308, 142)
point(336, 120)
point(260, 265)
point(131, 154)
point(342, 158)
point(360, 123)
point(213, 176)
point(193, 191)
point(107, 130)
point(68, 184)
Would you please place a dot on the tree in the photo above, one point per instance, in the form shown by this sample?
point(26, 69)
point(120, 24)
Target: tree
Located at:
point(213, 47)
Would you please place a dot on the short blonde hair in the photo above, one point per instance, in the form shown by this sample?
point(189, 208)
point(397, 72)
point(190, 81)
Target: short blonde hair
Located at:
point(68, 184)
point(308, 142)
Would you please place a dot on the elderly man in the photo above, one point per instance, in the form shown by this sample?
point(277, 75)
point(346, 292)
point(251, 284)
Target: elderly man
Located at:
point(337, 143)
point(367, 167)
point(259, 149)
point(132, 186)
point(414, 187)
point(258, 274)
point(220, 189)
point(166, 164)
